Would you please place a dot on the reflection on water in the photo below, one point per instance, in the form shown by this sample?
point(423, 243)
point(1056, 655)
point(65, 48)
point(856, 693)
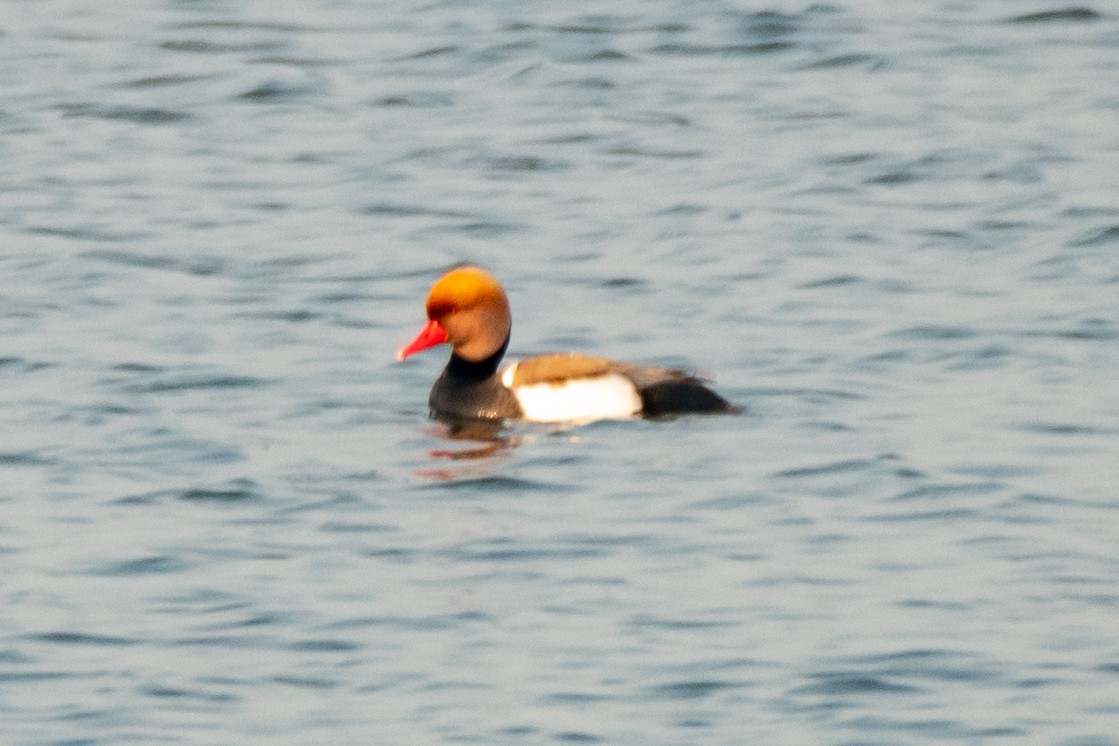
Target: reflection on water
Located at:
point(487, 441)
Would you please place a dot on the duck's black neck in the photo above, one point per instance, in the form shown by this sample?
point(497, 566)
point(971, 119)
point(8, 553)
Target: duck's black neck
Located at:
point(468, 370)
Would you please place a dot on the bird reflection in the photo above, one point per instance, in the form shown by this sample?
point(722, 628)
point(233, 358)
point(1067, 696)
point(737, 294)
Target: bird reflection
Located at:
point(489, 433)
point(490, 442)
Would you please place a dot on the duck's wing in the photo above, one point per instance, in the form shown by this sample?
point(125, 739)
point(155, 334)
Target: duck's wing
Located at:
point(559, 368)
point(663, 391)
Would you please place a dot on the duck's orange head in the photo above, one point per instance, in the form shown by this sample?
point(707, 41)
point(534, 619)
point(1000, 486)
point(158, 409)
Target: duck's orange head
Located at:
point(467, 309)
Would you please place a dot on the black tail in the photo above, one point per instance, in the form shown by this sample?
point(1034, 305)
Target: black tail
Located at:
point(683, 396)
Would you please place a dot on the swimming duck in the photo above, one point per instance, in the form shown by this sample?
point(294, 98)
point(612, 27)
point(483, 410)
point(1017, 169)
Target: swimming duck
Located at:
point(467, 308)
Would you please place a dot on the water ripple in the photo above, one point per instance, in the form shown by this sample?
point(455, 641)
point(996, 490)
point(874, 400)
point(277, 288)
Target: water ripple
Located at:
point(177, 693)
point(84, 638)
point(1062, 15)
point(137, 115)
point(235, 491)
point(191, 381)
point(24, 458)
point(852, 683)
point(688, 690)
point(154, 565)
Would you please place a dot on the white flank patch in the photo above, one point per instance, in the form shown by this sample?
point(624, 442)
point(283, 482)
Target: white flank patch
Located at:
point(608, 397)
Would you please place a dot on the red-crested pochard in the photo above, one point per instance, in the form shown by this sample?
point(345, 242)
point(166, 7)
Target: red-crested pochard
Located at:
point(467, 308)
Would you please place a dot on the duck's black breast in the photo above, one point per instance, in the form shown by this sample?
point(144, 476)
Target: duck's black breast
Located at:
point(464, 399)
point(469, 390)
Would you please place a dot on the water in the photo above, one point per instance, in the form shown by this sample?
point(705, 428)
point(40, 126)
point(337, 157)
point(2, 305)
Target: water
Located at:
point(889, 229)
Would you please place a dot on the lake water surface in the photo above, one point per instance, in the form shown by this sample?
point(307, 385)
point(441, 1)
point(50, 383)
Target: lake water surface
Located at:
point(890, 230)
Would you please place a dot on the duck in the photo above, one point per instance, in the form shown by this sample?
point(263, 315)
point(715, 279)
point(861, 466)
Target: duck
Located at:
point(468, 309)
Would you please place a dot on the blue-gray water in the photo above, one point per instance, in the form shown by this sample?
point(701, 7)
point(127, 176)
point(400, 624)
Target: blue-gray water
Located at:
point(889, 229)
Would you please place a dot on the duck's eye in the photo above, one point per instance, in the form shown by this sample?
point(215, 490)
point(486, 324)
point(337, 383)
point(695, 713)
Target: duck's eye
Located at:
point(440, 309)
